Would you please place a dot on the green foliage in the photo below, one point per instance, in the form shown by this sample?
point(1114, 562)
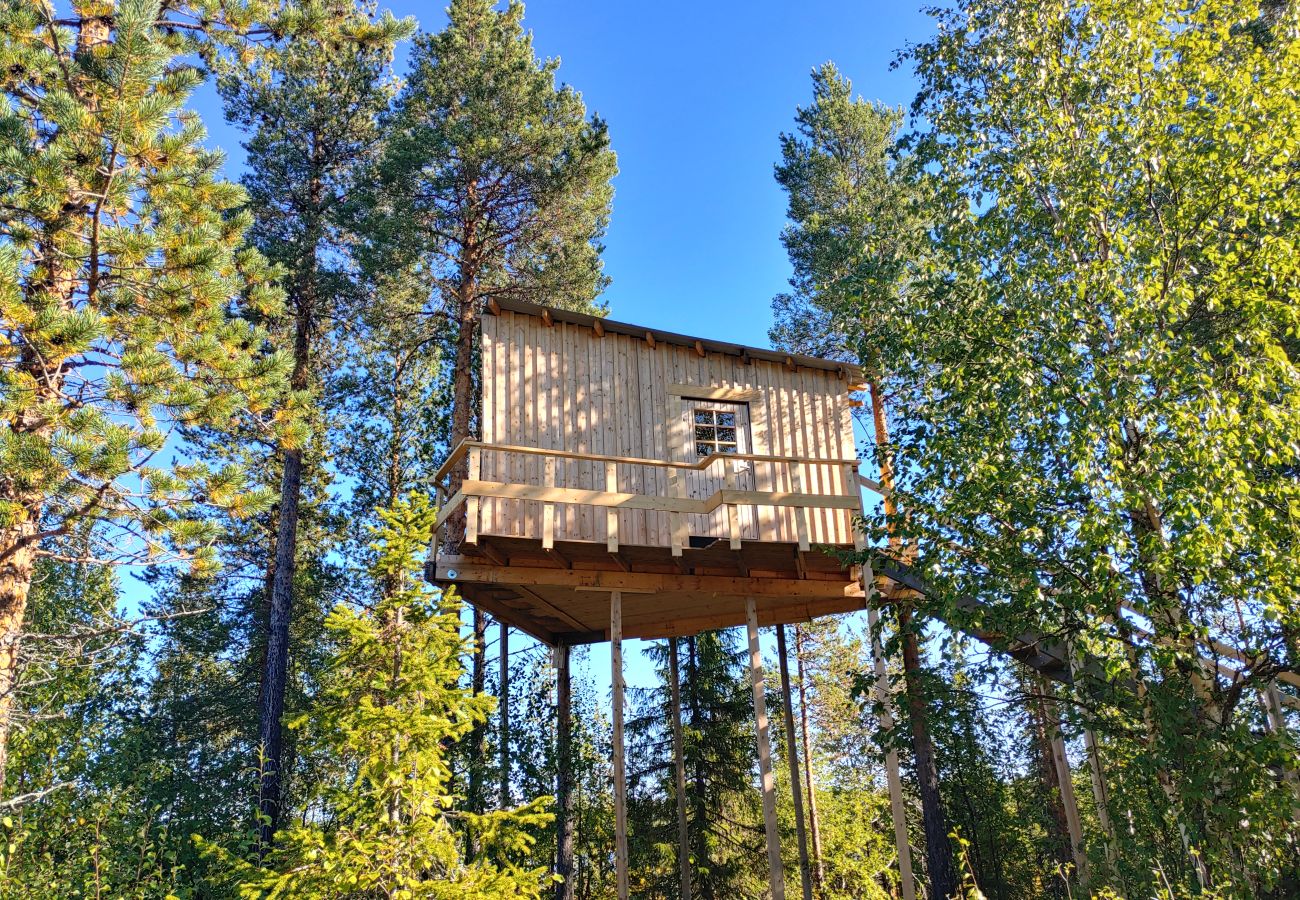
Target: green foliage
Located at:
point(121, 265)
point(483, 126)
point(1099, 376)
point(388, 707)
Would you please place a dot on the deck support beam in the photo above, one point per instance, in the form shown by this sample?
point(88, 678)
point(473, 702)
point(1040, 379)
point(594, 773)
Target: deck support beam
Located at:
point(776, 872)
point(620, 765)
point(505, 715)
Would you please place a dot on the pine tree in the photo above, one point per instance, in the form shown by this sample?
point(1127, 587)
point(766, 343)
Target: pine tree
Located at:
point(499, 184)
point(122, 284)
point(387, 711)
point(312, 106)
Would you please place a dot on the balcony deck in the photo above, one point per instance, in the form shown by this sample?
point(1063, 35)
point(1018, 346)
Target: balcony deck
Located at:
point(558, 589)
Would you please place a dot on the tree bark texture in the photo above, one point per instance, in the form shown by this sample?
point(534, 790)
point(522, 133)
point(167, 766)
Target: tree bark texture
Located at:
point(564, 824)
point(792, 758)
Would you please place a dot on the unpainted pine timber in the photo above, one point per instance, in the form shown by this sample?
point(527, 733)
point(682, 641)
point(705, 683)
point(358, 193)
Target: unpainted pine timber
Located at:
point(893, 778)
point(504, 702)
point(792, 757)
point(611, 516)
point(800, 512)
point(548, 507)
point(471, 501)
point(564, 825)
point(776, 873)
point(679, 771)
point(1065, 783)
point(620, 766)
point(468, 570)
point(1101, 799)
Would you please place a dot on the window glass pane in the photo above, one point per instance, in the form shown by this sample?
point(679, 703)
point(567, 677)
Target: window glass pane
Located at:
point(703, 449)
point(704, 415)
point(726, 418)
point(727, 434)
point(704, 433)
point(726, 448)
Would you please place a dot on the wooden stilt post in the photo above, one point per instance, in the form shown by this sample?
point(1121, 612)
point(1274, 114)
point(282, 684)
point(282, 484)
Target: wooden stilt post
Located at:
point(1101, 797)
point(1065, 782)
point(777, 874)
point(504, 708)
point(792, 757)
point(564, 824)
point(679, 768)
point(814, 827)
point(893, 778)
point(620, 767)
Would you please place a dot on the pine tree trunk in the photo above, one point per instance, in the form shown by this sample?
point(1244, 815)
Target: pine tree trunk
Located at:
point(478, 736)
point(17, 563)
point(792, 758)
point(564, 824)
point(275, 673)
point(814, 825)
point(938, 849)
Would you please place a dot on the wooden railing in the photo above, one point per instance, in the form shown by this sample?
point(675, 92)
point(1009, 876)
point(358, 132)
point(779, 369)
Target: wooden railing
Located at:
point(549, 493)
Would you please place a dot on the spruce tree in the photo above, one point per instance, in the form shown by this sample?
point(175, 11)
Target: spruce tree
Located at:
point(387, 712)
point(123, 289)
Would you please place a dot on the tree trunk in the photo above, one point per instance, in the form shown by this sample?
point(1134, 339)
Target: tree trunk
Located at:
point(792, 758)
point(478, 736)
point(938, 849)
point(564, 830)
point(814, 826)
point(679, 771)
point(17, 563)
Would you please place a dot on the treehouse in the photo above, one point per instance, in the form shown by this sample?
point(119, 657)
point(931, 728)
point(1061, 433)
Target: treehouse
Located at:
point(690, 476)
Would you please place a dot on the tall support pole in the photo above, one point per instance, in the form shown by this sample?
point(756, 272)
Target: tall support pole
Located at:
point(1065, 782)
point(893, 778)
point(504, 709)
point(792, 757)
point(564, 824)
point(814, 825)
point(620, 767)
point(1101, 797)
point(679, 768)
point(777, 874)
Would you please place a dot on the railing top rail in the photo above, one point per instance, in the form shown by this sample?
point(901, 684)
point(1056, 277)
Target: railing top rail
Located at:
point(703, 463)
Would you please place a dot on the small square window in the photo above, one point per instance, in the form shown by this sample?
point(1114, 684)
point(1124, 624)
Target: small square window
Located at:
point(715, 431)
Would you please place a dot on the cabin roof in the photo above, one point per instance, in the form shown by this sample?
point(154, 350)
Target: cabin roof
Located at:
point(850, 371)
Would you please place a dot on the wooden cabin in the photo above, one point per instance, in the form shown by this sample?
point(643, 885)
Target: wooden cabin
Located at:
point(687, 474)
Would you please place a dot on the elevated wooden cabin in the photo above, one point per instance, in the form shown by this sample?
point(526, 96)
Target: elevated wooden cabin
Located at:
point(688, 474)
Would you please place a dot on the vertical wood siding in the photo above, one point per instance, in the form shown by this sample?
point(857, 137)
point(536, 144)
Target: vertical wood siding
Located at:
point(564, 388)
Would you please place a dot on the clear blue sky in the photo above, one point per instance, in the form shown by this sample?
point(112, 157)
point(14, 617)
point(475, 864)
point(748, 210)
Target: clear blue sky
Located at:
point(695, 96)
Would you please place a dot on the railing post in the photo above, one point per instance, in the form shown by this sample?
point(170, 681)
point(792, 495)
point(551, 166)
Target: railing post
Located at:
point(471, 500)
point(733, 514)
point(548, 508)
point(675, 517)
point(800, 512)
point(611, 515)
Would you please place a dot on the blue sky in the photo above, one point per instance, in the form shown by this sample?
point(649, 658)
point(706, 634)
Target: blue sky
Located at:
point(696, 96)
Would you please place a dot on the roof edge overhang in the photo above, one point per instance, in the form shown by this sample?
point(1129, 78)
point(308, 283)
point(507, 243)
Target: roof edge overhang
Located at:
point(845, 370)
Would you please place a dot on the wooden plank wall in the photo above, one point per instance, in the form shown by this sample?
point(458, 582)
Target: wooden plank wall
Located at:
point(563, 387)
